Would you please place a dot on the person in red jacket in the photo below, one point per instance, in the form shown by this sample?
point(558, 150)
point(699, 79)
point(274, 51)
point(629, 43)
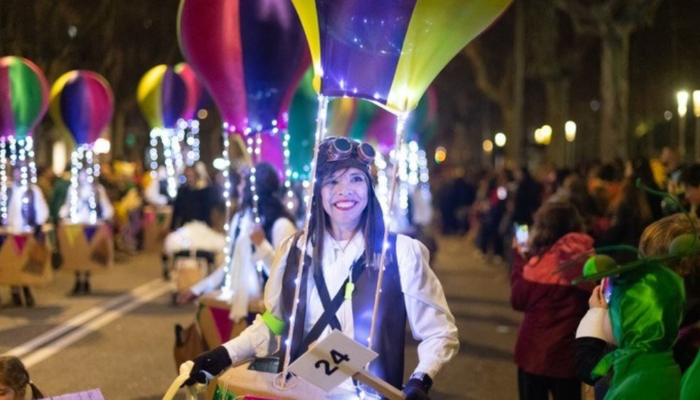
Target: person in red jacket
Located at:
point(545, 351)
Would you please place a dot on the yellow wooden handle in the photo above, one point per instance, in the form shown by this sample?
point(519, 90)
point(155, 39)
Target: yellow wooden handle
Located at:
point(180, 380)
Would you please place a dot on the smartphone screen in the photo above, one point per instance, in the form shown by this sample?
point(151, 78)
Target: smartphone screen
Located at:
point(606, 289)
point(522, 234)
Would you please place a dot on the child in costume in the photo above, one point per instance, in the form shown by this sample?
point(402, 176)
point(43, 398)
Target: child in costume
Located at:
point(14, 381)
point(645, 309)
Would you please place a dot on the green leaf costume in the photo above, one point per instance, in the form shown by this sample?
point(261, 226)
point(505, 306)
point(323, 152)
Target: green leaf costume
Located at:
point(646, 309)
point(690, 387)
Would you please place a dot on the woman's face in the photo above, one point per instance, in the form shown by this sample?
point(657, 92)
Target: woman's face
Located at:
point(6, 393)
point(344, 197)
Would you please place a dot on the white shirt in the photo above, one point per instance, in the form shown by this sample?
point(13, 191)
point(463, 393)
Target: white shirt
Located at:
point(15, 221)
point(428, 315)
point(83, 214)
point(243, 274)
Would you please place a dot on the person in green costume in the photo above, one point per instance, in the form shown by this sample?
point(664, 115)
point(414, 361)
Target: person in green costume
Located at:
point(690, 386)
point(642, 317)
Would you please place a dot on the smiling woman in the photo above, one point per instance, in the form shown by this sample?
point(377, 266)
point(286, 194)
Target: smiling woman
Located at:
point(345, 235)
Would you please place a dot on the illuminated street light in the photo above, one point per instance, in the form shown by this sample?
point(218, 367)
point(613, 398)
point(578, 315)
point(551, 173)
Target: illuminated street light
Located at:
point(696, 103)
point(546, 134)
point(682, 98)
point(570, 134)
point(696, 112)
point(570, 131)
point(500, 139)
point(488, 146)
point(440, 155)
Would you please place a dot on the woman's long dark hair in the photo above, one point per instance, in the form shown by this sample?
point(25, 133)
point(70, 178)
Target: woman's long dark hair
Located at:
point(552, 221)
point(270, 207)
point(371, 222)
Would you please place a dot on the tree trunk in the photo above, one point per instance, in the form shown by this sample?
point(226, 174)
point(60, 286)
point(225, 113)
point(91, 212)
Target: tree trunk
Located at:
point(516, 129)
point(614, 89)
point(557, 91)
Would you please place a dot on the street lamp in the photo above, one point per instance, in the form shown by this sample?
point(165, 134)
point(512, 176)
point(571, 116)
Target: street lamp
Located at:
point(696, 112)
point(546, 134)
point(500, 139)
point(488, 146)
point(570, 134)
point(682, 98)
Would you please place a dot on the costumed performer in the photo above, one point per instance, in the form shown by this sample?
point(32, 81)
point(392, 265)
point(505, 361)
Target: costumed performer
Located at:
point(27, 210)
point(251, 243)
point(83, 210)
point(346, 232)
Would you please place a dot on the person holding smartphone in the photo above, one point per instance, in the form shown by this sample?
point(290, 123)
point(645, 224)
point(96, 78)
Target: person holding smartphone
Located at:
point(545, 349)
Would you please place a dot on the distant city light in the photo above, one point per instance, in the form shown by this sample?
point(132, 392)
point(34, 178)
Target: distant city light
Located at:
point(488, 146)
point(440, 155)
point(570, 131)
point(202, 114)
point(101, 146)
point(682, 98)
point(500, 139)
point(668, 115)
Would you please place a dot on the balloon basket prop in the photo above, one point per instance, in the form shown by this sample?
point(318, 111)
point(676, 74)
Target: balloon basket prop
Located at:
point(242, 383)
point(214, 322)
point(156, 226)
point(25, 259)
point(86, 248)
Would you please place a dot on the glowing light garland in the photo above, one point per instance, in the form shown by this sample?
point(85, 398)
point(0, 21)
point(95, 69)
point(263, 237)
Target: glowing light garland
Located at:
point(287, 172)
point(280, 380)
point(192, 141)
point(3, 181)
point(168, 157)
point(153, 153)
point(227, 130)
point(400, 127)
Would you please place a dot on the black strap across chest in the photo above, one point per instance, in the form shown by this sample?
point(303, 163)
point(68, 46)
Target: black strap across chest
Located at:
point(331, 307)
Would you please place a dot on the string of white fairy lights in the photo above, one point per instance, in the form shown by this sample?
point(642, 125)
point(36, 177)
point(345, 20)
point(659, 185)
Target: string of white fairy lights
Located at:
point(280, 381)
point(227, 131)
point(400, 127)
point(3, 181)
point(153, 153)
point(192, 140)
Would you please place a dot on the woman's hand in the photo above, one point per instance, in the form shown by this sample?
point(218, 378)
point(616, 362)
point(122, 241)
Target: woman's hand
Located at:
point(518, 249)
point(257, 236)
point(597, 300)
point(208, 365)
point(186, 297)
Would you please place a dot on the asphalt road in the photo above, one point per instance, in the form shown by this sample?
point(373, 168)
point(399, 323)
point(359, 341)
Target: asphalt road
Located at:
point(120, 339)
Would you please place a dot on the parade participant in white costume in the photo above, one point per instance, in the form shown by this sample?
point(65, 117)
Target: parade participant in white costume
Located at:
point(27, 210)
point(253, 244)
point(81, 199)
point(345, 241)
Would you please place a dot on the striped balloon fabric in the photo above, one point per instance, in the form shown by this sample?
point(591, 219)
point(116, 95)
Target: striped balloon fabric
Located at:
point(82, 105)
point(24, 97)
point(250, 56)
point(194, 89)
point(389, 51)
point(163, 97)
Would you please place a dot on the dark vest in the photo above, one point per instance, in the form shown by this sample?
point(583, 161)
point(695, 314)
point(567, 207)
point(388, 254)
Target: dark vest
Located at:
point(390, 331)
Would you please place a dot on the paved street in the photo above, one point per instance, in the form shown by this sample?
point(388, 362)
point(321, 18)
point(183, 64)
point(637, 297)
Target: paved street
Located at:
point(120, 339)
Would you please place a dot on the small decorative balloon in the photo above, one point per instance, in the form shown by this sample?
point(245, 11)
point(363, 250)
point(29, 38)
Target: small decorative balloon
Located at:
point(24, 96)
point(82, 105)
point(194, 89)
point(248, 54)
point(388, 51)
point(163, 98)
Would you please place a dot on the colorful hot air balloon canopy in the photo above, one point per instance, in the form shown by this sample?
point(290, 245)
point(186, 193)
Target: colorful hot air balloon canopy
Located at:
point(163, 98)
point(389, 51)
point(249, 55)
point(24, 97)
point(82, 105)
point(193, 89)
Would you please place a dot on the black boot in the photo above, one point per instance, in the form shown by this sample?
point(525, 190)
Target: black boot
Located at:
point(86, 286)
point(16, 298)
point(28, 298)
point(78, 287)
